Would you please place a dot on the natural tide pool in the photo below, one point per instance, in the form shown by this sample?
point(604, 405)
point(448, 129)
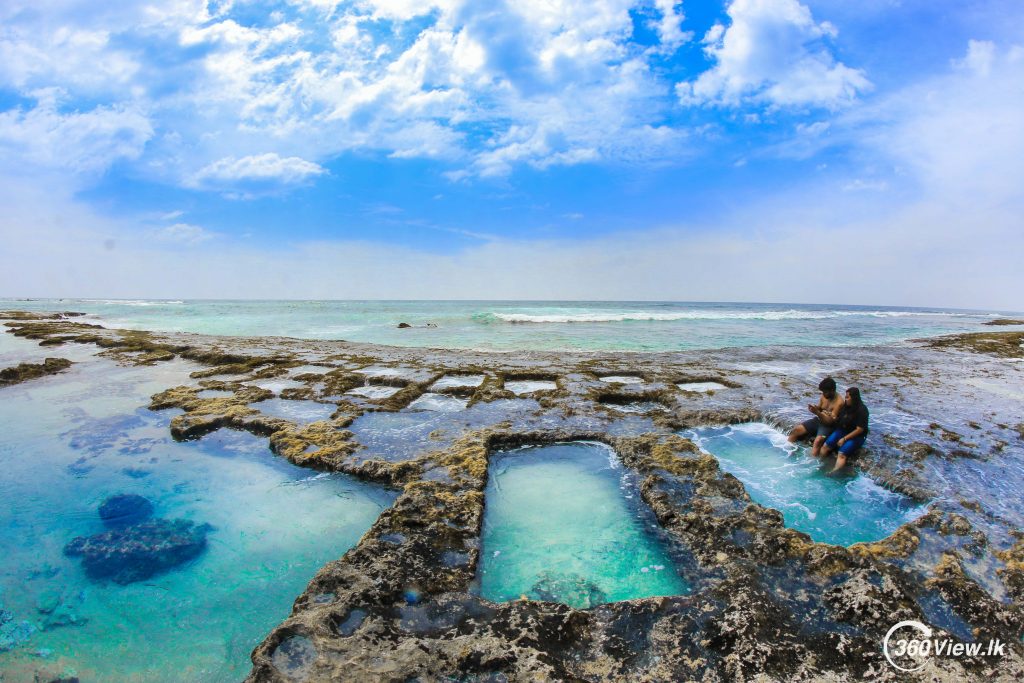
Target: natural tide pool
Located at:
point(565, 523)
point(841, 510)
point(71, 441)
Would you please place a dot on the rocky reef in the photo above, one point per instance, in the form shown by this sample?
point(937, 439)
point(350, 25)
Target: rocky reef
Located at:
point(136, 547)
point(26, 371)
point(767, 602)
point(137, 552)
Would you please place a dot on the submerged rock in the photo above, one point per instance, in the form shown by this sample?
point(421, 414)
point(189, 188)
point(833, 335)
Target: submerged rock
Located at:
point(125, 509)
point(56, 610)
point(13, 633)
point(137, 552)
point(571, 589)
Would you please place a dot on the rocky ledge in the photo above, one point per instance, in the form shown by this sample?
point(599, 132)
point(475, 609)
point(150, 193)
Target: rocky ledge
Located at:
point(767, 602)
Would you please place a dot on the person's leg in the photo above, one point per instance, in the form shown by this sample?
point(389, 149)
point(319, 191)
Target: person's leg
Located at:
point(830, 443)
point(824, 431)
point(846, 451)
point(797, 433)
point(803, 430)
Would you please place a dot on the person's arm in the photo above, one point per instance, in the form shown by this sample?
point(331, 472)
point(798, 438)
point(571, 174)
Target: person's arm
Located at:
point(852, 435)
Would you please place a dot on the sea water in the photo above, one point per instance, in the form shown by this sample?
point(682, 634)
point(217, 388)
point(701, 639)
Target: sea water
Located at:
point(841, 510)
point(514, 325)
point(68, 442)
point(565, 523)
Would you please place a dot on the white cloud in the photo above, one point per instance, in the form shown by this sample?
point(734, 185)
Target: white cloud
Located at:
point(862, 185)
point(267, 167)
point(670, 32)
point(80, 142)
point(183, 233)
point(485, 86)
point(772, 53)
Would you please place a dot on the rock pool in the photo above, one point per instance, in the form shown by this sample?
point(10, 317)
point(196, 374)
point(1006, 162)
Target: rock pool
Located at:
point(841, 510)
point(70, 443)
point(565, 523)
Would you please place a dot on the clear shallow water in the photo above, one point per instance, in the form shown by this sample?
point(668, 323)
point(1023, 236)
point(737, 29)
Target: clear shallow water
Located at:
point(638, 326)
point(70, 441)
point(838, 510)
point(300, 412)
point(565, 523)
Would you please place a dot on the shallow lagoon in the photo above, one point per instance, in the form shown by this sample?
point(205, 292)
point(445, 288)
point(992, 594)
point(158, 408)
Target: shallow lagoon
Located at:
point(72, 440)
point(565, 523)
point(841, 510)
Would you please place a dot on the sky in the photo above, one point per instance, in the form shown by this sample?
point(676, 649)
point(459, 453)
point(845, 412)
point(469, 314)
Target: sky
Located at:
point(815, 151)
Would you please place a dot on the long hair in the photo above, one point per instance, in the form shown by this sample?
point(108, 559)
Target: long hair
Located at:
point(854, 393)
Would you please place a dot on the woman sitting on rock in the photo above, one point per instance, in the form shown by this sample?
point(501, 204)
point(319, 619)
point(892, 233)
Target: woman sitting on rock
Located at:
point(851, 429)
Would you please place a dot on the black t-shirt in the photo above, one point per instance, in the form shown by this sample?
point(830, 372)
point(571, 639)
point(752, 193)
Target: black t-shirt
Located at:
point(851, 418)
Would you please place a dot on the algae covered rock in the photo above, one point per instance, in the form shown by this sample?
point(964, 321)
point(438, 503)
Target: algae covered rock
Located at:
point(137, 552)
point(26, 371)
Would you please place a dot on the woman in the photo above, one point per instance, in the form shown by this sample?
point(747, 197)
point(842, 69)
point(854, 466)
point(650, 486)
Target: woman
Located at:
point(851, 429)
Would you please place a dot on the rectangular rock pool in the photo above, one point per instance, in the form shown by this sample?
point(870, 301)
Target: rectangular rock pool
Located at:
point(565, 523)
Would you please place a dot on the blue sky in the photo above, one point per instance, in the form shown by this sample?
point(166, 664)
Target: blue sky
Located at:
point(758, 150)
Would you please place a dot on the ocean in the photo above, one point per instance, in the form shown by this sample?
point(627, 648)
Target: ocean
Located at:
point(532, 325)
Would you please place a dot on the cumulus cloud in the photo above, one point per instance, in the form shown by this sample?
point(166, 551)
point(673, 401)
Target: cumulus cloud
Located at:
point(81, 142)
point(261, 168)
point(773, 53)
point(670, 26)
point(484, 87)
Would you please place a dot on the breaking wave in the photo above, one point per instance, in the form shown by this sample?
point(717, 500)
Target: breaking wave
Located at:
point(791, 314)
point(134, 302)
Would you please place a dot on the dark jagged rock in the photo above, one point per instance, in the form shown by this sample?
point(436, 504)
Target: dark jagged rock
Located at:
point(137, 552)
point(767, 602)
point(1004, 321)
point(26, 371)
point(125, 509)
point(403, 326)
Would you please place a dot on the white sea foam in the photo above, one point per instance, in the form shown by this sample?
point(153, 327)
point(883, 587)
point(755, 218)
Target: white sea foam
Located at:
point(649, 316)
point(134, 302)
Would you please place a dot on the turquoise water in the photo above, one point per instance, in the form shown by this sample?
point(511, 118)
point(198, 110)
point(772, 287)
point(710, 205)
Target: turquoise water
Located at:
point(639, 326)
point(839, 510)
point(67, 443)
point(565, 523)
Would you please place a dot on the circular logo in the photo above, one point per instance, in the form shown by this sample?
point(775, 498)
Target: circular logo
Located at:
point(907, 648)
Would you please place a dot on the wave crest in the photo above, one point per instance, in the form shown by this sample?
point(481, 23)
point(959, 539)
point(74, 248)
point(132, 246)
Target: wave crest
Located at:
point(650, 316)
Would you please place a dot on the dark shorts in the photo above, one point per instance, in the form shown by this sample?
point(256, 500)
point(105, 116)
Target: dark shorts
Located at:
point(850, 448)
point(813, 428)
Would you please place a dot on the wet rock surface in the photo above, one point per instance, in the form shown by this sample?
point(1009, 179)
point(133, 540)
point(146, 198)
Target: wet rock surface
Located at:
point(766, 600)
point(24, 372)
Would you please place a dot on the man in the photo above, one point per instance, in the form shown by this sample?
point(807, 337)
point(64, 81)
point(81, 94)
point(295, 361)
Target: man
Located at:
point(821, 425)
point(851, 429)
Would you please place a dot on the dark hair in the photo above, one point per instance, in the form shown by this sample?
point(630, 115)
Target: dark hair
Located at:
point(854, 393)
point(827, 384)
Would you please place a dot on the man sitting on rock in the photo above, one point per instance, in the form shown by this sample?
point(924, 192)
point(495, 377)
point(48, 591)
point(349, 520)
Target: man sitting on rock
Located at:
point(825, 412)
